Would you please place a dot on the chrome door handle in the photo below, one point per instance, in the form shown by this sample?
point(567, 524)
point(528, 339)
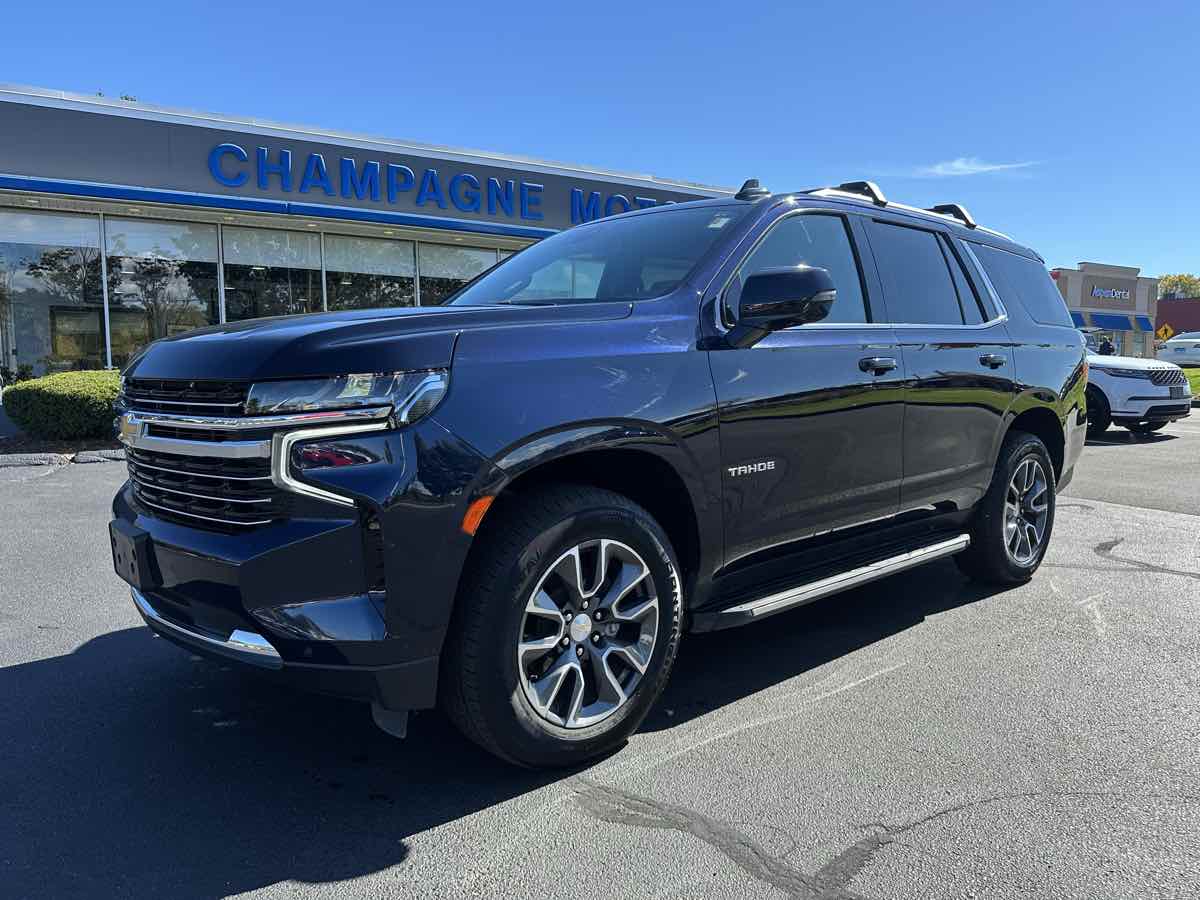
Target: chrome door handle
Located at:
point(877, 365)
point(993, 360)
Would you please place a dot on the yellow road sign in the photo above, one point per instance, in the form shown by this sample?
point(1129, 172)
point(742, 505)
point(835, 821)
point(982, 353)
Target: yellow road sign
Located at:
point(1165, 333)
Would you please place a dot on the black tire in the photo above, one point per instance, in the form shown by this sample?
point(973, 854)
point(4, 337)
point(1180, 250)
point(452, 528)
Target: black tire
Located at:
point(1099, 413)
point(988, 558)
point(1146, 427)
point(481, 688)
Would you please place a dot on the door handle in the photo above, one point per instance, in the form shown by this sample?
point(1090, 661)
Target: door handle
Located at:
point(877, 365)
point(993, 360)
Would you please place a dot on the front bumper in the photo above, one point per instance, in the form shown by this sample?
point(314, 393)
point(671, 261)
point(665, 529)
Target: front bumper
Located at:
point(346, 599)
point(1152, 409)
point(400, 686)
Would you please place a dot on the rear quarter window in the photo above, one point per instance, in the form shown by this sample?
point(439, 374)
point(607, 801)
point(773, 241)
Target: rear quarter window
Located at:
point(1025, 281)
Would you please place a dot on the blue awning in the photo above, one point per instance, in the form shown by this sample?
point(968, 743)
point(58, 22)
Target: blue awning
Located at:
point(1077, 318)
point(1111, 322)
point(1144, 323)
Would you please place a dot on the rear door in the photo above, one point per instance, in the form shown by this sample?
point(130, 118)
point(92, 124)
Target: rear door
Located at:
point(959, 361)
point(810, 434)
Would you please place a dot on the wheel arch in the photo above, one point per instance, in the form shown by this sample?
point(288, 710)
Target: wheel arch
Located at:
point(1044, 423)
point(643, 465)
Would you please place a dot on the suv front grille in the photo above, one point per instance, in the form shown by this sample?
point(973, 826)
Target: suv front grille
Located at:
point(206, 491)
point(186, 398)
point(1163, 377)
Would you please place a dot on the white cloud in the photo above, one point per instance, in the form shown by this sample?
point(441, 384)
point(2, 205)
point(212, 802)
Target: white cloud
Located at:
point(967, 165)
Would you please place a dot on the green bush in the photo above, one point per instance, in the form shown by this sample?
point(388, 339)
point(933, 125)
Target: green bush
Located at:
point(65, 406)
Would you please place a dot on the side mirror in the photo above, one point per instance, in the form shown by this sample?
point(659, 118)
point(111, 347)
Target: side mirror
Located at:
point(774, 299)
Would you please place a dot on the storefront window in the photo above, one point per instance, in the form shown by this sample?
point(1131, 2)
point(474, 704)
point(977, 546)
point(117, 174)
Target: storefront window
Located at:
point(269, 272)
point(445, 269)
point(51, 300)
point(363, 273)
point(162, 281)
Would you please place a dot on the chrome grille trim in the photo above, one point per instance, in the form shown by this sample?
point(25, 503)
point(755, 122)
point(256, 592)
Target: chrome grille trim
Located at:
point(250, 423)
point(272, 439)
point(146, 465)
point(191, 515)
point(166, 490)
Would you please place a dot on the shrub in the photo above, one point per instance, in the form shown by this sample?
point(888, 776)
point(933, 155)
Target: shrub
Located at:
point(65, 406)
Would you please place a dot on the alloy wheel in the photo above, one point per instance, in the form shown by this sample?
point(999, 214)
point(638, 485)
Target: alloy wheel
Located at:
point(1026, 511)
point(588, 633)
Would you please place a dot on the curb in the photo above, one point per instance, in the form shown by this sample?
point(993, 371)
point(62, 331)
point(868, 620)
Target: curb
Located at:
point(99, 456)
point(83, 457)
point(14, 460)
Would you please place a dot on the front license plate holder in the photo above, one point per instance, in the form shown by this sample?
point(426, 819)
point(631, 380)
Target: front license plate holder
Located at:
point(133, 554)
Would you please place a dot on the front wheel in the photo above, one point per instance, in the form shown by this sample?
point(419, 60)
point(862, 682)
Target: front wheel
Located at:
point(1014, 519)
point(1099, 413)
point(565, 629)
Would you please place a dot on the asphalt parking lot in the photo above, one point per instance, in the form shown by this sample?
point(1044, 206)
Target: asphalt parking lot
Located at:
point(917, 738)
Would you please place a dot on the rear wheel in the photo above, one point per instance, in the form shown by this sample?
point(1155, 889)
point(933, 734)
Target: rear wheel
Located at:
point(1014, 519)
point(1099, 414)
point(1145, 427)
point(566, 627)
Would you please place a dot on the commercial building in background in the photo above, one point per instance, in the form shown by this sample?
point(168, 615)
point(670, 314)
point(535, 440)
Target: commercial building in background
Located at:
point(121, 223)
point(1177, 315)
point(1115, 299)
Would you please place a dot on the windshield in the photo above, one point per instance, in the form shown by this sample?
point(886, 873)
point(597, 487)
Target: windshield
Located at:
point(632, 258)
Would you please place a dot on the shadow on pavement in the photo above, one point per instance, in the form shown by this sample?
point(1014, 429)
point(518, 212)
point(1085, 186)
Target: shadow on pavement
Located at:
point(129, 767)
point(718, 668)
point(1123, 438)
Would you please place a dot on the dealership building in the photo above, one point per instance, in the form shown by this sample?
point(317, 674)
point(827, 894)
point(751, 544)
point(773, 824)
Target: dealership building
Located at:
point(122, 222)
point(1116, 300)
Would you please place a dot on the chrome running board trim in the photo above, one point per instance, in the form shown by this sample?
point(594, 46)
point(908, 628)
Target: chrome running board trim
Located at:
point(246, 646)
point(814, 590)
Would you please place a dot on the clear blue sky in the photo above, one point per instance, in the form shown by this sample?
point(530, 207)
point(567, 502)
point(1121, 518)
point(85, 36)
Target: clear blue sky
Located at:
point(1074, 127)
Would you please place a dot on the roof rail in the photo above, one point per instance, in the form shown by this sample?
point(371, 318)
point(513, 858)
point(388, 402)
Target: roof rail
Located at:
point(866, 188)
point(957, 210)
point(751, 190)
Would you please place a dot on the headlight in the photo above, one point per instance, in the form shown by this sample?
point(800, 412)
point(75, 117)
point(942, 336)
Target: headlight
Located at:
point(412, 395)
point(1122, 373)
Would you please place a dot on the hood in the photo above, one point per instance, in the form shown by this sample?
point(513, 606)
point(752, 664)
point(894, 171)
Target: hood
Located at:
point(1127, 362)
point(361, 341)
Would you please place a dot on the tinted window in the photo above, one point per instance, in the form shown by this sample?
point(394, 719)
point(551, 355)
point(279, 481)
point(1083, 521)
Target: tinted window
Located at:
point(967, 300)
point(811, 240)
point(626, 258)
point(1028, 281)
point(916, 279)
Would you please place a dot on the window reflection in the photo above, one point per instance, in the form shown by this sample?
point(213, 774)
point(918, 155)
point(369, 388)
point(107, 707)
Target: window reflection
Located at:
point(364, 273)
point(444, 269)
point(269, 272)
point(162, 281)
point(51, 300)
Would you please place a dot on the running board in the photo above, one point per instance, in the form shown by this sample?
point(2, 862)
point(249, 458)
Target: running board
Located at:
point(761, 607)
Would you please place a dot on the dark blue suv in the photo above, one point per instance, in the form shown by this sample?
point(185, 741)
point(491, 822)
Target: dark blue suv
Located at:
point(684, 418)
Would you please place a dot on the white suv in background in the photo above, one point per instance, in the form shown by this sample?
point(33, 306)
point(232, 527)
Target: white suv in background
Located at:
point(1142, 395)
point(1183, 349)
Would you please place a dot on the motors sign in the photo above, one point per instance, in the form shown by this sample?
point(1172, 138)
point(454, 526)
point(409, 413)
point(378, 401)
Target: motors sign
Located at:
point(111, 152)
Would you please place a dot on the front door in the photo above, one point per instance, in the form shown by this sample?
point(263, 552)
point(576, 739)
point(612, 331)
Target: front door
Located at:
point(810, 433)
